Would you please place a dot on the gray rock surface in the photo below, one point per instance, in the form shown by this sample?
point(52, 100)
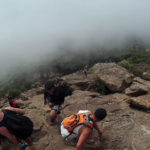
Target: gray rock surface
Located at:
point(115, 77)
point(124, 128)
point(141, 102)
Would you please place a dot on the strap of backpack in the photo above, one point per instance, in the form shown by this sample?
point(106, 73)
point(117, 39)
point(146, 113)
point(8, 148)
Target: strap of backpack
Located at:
point(88, 120)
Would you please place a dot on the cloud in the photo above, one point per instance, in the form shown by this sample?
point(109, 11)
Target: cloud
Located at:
point(31, 29)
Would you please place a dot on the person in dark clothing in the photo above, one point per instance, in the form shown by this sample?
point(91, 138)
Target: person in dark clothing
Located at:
point(53, 96)
point(13, 129)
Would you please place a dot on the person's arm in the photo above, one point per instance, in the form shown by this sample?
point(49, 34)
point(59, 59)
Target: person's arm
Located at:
point(5, 132)
point(97, 128)
point(83, 137)
point(17, 110)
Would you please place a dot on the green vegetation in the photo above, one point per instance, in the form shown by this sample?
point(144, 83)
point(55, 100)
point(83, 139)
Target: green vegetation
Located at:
point(130, 67)
point(68, 61)
point(18, 83)
point(91, 70)
point(100, 86)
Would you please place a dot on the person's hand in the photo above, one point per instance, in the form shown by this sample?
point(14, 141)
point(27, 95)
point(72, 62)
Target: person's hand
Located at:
point(101, 133)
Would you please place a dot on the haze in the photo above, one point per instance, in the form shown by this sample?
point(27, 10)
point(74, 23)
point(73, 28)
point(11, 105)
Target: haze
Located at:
point(31, 29)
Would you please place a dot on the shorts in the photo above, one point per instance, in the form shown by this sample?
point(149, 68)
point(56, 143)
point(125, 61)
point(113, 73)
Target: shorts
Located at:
point(66, 134)
point(57, 108)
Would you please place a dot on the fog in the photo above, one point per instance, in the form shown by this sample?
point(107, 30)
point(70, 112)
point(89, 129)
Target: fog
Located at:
point(31, 29)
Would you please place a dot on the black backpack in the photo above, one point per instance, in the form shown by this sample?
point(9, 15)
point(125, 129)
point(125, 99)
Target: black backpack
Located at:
point(63, 88)
point(21, 126)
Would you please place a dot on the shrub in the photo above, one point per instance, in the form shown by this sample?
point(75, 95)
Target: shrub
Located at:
point(2, 92)
point(91, 70)
point(14, 92)
point(130, 67)
point(100, 86)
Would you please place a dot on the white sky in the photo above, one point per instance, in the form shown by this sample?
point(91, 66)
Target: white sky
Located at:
point(31, 28)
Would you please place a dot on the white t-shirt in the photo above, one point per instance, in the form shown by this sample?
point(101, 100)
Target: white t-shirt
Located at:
point(64, 131)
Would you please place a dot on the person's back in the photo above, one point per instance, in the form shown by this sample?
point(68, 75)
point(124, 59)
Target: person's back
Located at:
point(55, 91)
point(82, 130)
point(14, 125)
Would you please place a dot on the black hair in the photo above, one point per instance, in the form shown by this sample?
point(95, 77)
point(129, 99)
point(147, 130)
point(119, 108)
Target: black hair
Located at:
point(100, 113)
point(49, 85)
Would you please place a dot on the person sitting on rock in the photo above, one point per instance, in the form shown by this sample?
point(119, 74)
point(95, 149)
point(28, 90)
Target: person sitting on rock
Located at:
point(15, 126)
point(54, 95)
point(81, 126)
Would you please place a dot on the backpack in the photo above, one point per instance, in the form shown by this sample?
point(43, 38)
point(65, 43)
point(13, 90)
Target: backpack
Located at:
point(63, 88)
point(21, 126)
point(78, 119)
point(12, 102)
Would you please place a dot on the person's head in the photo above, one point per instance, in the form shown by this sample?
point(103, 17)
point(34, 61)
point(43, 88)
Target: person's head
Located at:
point(50, 87)
point(10, 98)
point(99, 114)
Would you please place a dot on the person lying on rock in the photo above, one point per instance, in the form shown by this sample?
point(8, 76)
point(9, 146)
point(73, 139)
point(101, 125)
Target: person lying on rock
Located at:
point(81, 126)
point(15, 126)
point(54, 95)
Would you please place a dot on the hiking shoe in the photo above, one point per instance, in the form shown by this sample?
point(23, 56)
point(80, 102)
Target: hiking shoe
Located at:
point(24, 145)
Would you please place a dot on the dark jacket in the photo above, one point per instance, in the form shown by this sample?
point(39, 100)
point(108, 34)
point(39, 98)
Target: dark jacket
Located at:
point(57, 98)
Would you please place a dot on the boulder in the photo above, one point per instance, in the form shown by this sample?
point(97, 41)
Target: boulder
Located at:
point(37, 84)
point(141, 81)
point(23, 96)
point(3, 102)
point(141, 102)
point(80, 84)
point(40, 90)
point(115, 77)
point(136, 89)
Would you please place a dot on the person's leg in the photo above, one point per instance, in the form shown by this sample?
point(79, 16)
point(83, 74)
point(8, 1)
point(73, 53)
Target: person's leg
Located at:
point(50, 104)
point(53, 115)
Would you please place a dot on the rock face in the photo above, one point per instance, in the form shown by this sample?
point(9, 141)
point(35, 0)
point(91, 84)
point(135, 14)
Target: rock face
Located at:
point(141, 102)
point(124, 128)
point(137, 88)
point(115, 77)
point(40, 90)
